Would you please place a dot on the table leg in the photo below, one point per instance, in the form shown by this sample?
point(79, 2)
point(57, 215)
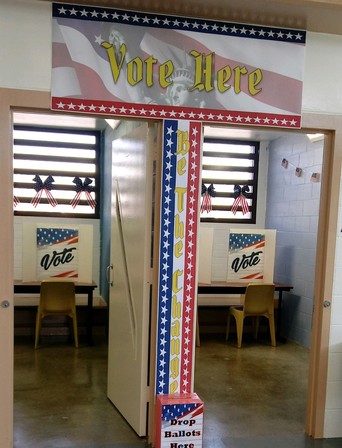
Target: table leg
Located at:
point(198, 339)
point(278, 335)
point(89, 323)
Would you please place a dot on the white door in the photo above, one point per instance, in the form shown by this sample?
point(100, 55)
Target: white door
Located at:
point(129, 303)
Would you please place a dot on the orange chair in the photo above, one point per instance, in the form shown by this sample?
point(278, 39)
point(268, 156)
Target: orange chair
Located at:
point(259, 301)
point(57, 297)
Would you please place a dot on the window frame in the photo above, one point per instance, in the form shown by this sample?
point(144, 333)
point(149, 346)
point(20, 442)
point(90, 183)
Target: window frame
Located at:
point(254, 182)
point(45, 172)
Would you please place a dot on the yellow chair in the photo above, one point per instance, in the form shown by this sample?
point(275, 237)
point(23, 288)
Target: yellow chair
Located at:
point(57, 297)
point(259, 301)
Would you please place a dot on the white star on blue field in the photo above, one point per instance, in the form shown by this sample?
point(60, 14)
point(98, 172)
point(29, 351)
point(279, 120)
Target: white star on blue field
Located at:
point(238, 241)
point(49, 236)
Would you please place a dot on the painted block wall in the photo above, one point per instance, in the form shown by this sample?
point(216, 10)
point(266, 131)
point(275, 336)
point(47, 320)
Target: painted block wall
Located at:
point(293, 209)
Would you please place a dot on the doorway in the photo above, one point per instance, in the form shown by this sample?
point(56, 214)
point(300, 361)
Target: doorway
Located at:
point(267, 139)
point(134, 240)
point(41, 100)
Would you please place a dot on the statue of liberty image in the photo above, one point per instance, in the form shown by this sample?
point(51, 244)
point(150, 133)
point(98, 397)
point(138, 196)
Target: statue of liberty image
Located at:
point(179, 92)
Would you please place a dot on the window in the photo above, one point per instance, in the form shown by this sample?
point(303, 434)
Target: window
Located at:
point(229, 181)
point(56, 171)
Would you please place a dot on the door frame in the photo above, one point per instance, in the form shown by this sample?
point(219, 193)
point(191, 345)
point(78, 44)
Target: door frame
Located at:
point(37, 101)
point(324, 269)
point(10, 99)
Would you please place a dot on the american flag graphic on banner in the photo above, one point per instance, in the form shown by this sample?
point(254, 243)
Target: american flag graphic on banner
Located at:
point(126, 63)
point(57, 253)
point(246, 257)
point(177, 271)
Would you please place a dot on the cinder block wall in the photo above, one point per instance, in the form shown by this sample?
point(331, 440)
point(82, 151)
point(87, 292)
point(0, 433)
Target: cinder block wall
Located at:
point(292, 209)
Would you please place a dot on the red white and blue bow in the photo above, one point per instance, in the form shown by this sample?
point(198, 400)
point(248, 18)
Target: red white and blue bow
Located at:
point(41, 186)
point(207, 194)
point(16, 200)
point(240, 199)
point(81, 187)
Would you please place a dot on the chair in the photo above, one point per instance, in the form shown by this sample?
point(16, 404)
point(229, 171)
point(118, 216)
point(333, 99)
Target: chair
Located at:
point(259, 301)
point(57, 297)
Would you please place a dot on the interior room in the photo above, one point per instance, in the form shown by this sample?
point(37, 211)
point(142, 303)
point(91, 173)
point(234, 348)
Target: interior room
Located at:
point(102, 211)
point(293, 212)
point(287, 203)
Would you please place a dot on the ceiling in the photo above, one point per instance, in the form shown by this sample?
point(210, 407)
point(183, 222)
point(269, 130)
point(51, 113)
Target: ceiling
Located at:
point(323, 16)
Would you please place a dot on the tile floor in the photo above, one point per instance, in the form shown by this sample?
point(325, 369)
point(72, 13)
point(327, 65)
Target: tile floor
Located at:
point(254, 397)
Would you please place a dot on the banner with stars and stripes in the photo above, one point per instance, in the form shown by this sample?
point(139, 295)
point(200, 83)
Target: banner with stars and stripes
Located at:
point(125, 63)
point(177, 265)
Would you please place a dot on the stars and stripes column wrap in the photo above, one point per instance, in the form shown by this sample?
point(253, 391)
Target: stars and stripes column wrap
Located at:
point(177, 267)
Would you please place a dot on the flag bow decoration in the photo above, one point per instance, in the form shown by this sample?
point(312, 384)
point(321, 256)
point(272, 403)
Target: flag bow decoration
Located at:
point(41, 186)
point(240, 199)
point(207, 194)
point(81, 187)
point(16, 201)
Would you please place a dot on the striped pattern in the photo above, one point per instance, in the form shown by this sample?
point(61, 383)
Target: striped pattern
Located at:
point(177, 276)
